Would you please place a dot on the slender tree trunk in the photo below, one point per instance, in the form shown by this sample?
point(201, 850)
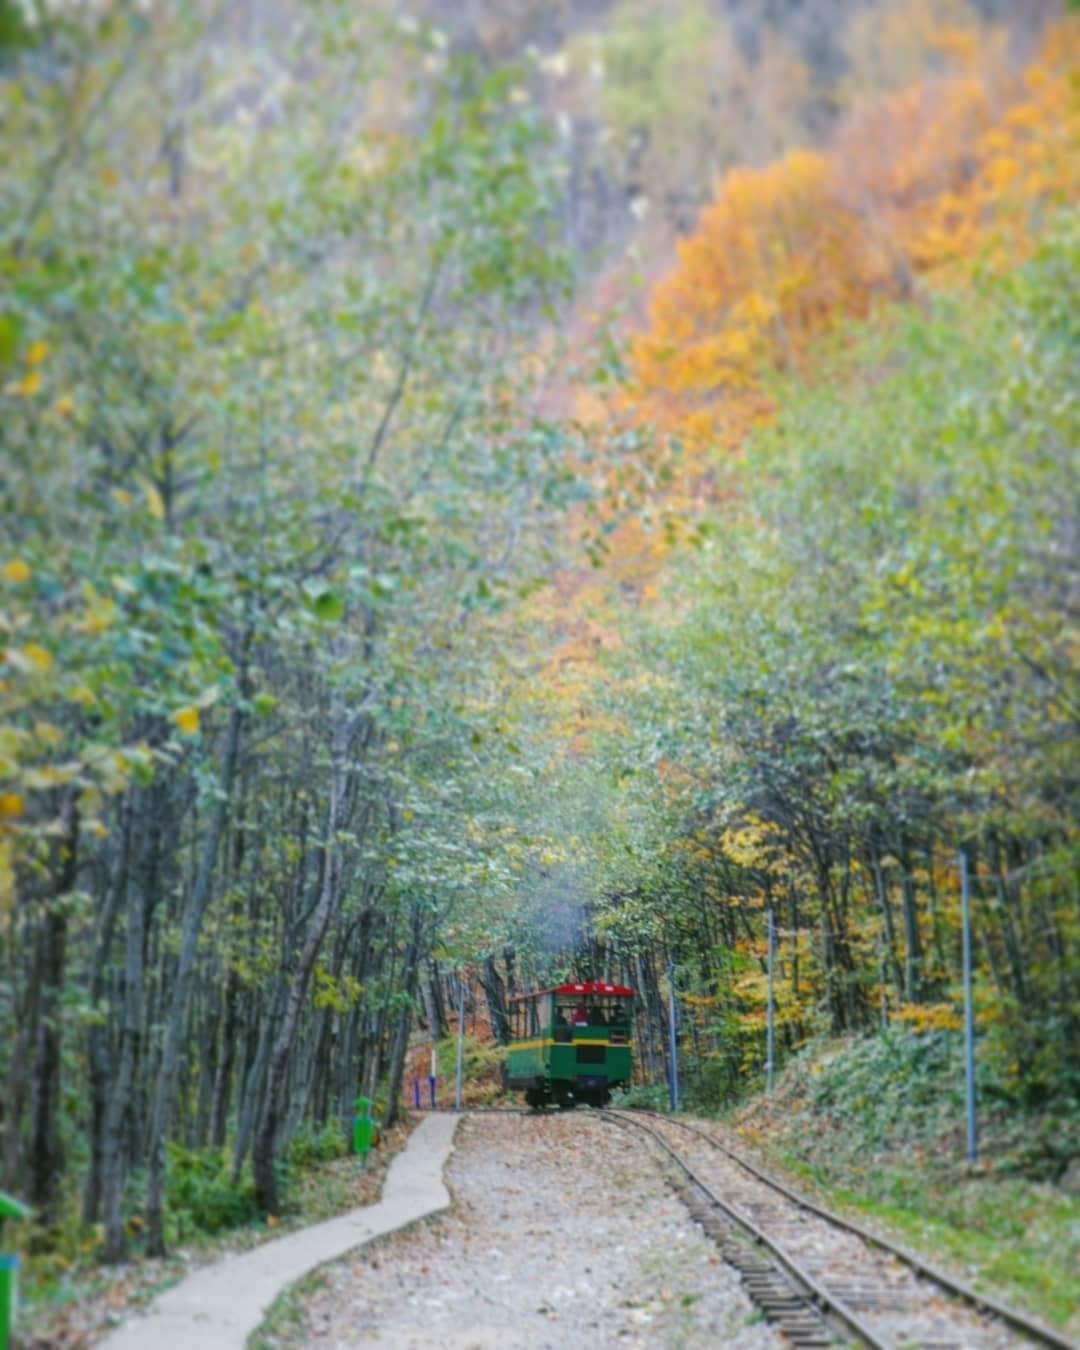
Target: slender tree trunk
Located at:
point(46, 1152)
point(912, 940)
point(165, 1090)
point(438, 1002)
point(97, 1049)
point(226, 1064)
point(1005, 908)
point(495, 992)
point(401, 1034)
point(116, 1143)
point(885, 905)
point(275, 1104)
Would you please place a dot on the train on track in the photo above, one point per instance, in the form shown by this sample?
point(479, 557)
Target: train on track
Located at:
point(570, 1045)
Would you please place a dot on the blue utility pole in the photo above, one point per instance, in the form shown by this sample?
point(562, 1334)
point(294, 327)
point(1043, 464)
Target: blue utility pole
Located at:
point(969, 1010)
point(673, 1082)
point(770, 1041)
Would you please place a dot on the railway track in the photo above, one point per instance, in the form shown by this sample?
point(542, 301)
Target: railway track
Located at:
point(814, 1273)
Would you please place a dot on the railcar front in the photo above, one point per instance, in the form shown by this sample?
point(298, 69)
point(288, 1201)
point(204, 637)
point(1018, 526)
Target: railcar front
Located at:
point(572, 1044)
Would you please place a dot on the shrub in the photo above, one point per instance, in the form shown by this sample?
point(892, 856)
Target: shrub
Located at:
point(651, 1096)
point(309, 1146)
point(201, 1194)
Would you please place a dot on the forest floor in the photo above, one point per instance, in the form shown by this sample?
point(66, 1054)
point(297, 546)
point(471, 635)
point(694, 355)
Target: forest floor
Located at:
point(562, 1232)
point(72, 1303)
point(874, 1128)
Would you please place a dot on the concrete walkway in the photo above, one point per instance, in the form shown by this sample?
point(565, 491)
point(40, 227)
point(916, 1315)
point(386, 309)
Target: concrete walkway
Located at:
point(219, 1306)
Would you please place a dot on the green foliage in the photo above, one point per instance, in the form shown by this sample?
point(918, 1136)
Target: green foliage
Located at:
point(268, 381)
point(895, 1091)
point(482, 1069)
point(863, 664)
point(202, 1195)
point(309, 1146)
point(647, 1096)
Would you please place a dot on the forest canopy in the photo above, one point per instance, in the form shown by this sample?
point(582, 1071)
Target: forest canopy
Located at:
point(544, 491)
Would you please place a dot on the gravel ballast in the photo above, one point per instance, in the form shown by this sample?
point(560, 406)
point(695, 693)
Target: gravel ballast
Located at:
point(562, 1232)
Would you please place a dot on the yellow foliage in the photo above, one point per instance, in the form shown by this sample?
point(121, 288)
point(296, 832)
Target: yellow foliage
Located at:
point(16, 571)
point(187, 719)
point(36, 353)
point(47, 734)
point(155, 503)
point(27, 386)
point(49, 776)
point(11, 804)
point(99, 616)
point(38, 657)
point(929, 1016)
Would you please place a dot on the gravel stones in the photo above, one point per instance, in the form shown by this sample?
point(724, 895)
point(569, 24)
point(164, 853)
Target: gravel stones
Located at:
point(562, 1233)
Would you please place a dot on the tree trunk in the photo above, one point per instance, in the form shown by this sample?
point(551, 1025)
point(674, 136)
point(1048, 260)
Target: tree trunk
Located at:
point(274, 1103)
point(97, 1049)
point(46, 1152)
point(885, 905)
point(117, 1127)
point(495, 992)
point(912, 940)
point(165, 1090)
point(437, 1001)
point(401, 1035)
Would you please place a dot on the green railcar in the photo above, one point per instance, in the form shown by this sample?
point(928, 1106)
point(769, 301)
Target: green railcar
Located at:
point(571, 1044)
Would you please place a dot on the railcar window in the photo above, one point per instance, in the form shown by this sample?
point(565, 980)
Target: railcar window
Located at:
point(592, 1011)
point(613, 1012)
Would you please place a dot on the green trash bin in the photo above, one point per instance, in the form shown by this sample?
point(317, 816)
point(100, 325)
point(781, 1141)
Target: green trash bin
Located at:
point(9, 1296)
point(10, 1208)
point(363, 1127)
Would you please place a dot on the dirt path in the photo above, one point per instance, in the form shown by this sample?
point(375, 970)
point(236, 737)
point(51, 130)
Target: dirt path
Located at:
point(561, 1233)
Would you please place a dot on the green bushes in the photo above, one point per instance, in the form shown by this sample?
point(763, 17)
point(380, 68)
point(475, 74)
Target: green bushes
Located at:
point(711, 1084)
point(899, 1091)
point(650, 1096)
point(311, 1146)
point(482, 1070)
point(201, 1194)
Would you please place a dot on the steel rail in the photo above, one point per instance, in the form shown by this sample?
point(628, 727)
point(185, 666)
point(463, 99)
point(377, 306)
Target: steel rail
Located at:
point(1037, 1331)
point(832, 1302)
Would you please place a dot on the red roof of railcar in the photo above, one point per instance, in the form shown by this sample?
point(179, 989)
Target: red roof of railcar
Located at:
point(588, 987)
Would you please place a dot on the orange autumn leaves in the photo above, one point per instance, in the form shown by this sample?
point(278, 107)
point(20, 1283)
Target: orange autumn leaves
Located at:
point(922, 186)
point(927, 182)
